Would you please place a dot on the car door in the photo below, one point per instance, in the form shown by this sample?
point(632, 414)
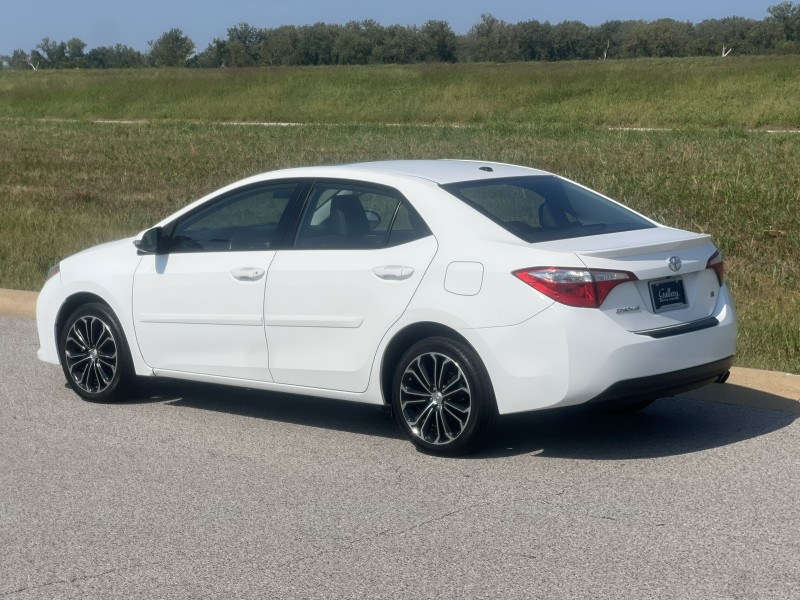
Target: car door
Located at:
point(359, 255)
point(198, 304)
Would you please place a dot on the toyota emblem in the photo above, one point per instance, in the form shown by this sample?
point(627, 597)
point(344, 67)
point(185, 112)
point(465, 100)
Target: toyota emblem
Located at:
point(674, 264)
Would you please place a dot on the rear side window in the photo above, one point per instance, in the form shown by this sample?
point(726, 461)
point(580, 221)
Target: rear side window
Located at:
point(544, 207)
point(342, 216)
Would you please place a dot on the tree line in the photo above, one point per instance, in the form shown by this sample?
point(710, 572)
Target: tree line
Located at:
point(489, 40)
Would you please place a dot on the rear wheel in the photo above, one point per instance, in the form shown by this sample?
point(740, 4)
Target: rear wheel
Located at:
point(94, 354)
point(442, 397)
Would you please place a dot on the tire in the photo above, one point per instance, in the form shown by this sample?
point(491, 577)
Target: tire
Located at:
point(94, 354)
point(442, 397)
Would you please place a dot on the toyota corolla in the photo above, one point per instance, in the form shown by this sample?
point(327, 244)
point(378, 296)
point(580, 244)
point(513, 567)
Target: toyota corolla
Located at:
point(450, 291)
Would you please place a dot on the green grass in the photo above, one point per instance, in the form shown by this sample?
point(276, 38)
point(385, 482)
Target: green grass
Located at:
point(66, 185)
point(743, 92)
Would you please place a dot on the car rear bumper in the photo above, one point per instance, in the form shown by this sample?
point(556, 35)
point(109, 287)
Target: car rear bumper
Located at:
point(565, 356)
point(652, 387)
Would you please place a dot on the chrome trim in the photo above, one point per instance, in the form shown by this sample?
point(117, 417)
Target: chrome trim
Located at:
point(662, 332)
point(628, 309)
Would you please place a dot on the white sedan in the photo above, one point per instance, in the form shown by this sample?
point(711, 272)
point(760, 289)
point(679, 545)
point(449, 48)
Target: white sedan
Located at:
point(451, 291)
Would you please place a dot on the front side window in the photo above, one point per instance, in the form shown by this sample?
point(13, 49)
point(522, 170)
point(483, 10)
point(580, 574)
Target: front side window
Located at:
point(244, 220)
point(343, 216)
point(545, 207)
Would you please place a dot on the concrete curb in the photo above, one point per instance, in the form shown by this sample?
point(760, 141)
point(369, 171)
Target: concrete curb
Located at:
point(767, 390)
point(17, 303)
point(746, 387)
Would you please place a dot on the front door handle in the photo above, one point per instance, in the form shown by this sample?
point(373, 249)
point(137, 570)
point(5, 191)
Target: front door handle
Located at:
point(393, 272)
point(248, 273)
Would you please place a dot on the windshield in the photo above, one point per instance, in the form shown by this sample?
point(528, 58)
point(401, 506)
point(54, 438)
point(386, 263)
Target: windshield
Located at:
point(544, 207)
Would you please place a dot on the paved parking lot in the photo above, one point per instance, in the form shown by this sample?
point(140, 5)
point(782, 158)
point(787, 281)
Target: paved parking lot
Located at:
point(202, 492)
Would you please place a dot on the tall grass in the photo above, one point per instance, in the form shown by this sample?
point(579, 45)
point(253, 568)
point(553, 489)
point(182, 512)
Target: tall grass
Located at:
point(68, 182)
point(740, 92)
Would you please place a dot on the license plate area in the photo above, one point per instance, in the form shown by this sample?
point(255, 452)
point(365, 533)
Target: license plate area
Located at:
point(668, 294)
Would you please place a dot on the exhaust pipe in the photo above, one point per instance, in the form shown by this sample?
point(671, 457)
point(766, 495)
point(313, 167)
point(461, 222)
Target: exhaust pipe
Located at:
point(724, 377)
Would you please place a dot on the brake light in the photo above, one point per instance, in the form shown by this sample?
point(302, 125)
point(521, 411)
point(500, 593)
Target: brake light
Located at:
point(717, 263)
point(586, 288)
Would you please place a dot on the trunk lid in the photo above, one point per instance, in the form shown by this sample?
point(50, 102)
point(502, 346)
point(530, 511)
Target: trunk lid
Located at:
point(674, 286)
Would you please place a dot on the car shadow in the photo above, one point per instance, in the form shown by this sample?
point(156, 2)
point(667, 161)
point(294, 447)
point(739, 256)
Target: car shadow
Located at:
point(338, 415)
point(668, 427)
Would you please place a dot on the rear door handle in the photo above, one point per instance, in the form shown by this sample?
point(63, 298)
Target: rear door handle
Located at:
point(393, 272)
point(248, 273)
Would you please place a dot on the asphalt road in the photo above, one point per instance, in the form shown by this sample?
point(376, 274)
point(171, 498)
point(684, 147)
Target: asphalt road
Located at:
point(201, 492)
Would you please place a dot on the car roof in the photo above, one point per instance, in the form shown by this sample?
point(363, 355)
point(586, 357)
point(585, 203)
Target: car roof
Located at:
point(446, 171)
point(440, 172)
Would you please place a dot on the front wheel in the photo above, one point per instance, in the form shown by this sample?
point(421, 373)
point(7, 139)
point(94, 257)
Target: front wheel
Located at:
point(94, 354)
point(442, 397)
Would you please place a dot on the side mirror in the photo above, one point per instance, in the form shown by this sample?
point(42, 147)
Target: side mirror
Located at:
point(150, 242)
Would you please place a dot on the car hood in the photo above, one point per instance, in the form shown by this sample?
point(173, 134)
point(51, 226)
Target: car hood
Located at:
point(108, 247)
point(115, 259)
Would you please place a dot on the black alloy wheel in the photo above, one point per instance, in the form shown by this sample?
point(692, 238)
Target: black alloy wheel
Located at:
point(442, 397)
point(94, 354)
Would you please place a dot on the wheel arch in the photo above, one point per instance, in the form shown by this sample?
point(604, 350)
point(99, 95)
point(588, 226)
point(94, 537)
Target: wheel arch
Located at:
point(114, 380)
point(402, 341)
point(70, 304)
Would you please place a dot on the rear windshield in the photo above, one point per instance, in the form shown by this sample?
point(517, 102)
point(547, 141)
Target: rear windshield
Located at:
point(544, 207)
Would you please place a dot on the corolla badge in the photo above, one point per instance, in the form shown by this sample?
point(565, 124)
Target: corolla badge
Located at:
point(674, 264)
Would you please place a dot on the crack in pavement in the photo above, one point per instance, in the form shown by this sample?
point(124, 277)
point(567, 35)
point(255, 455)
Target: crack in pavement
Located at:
point(380, 534)
point(60, 581)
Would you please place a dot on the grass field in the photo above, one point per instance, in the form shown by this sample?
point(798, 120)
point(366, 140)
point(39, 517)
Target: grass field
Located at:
point(68, 184)
point(701, 92)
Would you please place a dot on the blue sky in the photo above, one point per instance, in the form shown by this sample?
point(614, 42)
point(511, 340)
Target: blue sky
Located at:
point(134, 22)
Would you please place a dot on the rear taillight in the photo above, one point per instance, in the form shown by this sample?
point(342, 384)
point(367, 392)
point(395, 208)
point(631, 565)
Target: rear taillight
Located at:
point(717, 263)
point(586, 288)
